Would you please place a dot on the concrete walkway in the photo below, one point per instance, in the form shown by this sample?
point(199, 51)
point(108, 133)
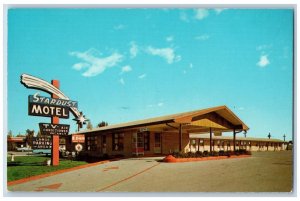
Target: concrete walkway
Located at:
point(263, 172)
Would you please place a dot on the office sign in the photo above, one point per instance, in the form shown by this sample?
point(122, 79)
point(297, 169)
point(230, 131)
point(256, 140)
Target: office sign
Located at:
point(54, 129)
point(41, 143)
point(52, 101)
point(36, 109)
point(78, 138)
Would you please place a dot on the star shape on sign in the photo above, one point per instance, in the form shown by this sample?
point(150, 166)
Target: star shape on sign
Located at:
point(81, 120)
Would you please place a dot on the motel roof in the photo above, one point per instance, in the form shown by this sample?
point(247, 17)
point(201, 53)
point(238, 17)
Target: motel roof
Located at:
point(191, 119)
point(206, 136)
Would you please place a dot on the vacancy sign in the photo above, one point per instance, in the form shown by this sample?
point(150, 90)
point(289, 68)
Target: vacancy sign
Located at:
point(54, 129)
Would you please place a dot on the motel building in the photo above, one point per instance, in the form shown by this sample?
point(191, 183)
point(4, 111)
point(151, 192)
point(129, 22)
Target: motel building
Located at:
point(199, 130)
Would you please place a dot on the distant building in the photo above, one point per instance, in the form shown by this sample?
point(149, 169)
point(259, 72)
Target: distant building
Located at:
point(14, 142)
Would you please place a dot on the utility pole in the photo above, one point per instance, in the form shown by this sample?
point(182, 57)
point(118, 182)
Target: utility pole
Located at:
point(284, 137)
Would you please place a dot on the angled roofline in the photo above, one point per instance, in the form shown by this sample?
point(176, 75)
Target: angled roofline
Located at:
point(184, 117)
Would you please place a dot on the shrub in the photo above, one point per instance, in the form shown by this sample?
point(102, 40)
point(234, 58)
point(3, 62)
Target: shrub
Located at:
point(221, 153)
point(214, 153)
point(190, 155)
point(105, 156)
point(180, 155)
point(205, 154)
point(175, 154)
point(183, 155)
point(199, 154)
point(230, 153)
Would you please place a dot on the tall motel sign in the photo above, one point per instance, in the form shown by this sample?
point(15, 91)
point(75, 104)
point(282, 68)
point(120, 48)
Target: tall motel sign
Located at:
point(57, 106)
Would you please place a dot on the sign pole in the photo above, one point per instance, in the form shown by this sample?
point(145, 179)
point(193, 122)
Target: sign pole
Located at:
point(55, 138)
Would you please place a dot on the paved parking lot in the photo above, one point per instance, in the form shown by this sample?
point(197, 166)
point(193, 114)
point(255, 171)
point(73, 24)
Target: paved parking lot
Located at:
point(263, 172)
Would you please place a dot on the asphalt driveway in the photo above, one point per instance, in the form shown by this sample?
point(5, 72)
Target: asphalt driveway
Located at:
point(263, 172)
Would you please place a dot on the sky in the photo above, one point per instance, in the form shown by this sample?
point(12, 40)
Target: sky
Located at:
point(129, 64)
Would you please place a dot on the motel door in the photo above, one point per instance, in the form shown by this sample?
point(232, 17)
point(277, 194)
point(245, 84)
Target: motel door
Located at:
point(157, 143)
point(103, 143)
point(138, 143)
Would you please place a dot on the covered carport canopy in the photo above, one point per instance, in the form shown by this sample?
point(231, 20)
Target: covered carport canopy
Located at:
point(215, 119)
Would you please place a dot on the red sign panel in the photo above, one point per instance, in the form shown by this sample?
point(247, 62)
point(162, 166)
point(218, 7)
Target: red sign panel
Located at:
point(78, 138)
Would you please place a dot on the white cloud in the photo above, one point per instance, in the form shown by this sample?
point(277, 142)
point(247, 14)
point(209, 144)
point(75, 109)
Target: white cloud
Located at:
point(122, 81)
point(80, 66)
point(160, 104)
point(119, 27)
point(167, 53)
point(142, 76)
point(201, 13)
point(93, 64)
point(191, 65)
point(169, 38)
point(133, 49)
point(183, 16)
point(263, 47)
point(263, 61)
point(126, 69)
point(219, 10)
point(202, 37)
point(184, 71)
point(241, 108)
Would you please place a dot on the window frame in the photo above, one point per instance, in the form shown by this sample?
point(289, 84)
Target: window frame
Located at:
point(119, 141)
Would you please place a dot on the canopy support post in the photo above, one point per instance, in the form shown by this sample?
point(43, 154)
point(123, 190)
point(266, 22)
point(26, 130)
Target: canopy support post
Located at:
point(180, 137)
point(210, 139)
point(234, 139)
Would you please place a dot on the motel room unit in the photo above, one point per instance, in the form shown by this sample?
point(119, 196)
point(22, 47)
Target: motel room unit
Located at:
point(198, 130)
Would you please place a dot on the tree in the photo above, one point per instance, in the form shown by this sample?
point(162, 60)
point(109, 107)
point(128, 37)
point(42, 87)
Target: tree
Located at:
point(39, 134)
point(20, 135)
point(9, 134)
point(89, 125)
point(102, 124)
point(29, 136)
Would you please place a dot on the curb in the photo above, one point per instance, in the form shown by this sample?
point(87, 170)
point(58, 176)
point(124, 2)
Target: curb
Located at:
point(171, 159)
point(27, 179)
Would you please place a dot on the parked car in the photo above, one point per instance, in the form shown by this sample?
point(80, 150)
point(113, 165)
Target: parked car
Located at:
point(22, 149)
point(42, 151)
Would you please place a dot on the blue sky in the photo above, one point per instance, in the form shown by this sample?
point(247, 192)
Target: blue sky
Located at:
point(130, 64)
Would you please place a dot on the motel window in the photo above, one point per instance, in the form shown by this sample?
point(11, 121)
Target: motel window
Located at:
point(147, 141)
point(92, 143)
point(193, 142)
point(118, 141)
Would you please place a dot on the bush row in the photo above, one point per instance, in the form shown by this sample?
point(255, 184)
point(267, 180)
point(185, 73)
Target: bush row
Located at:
point(199, 154)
